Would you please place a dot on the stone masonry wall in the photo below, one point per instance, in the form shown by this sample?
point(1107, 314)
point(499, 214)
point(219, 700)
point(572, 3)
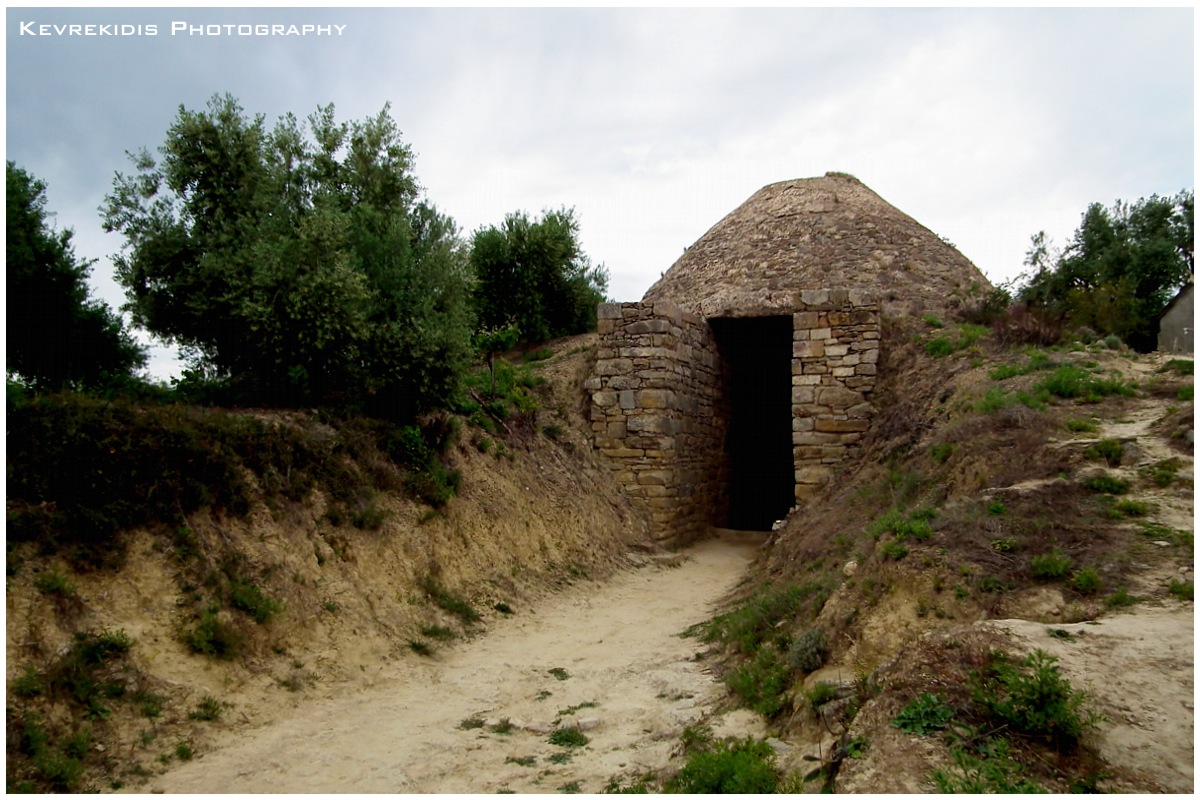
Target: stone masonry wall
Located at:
point(659, 415)
point(654, 413)
point(835, 349)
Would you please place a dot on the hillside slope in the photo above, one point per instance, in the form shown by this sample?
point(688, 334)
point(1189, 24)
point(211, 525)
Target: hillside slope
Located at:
point(298, 598)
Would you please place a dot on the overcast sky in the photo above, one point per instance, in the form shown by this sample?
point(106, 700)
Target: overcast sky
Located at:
point(986, 126)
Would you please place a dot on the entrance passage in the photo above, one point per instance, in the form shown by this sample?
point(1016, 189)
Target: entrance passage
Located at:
point(757, 353)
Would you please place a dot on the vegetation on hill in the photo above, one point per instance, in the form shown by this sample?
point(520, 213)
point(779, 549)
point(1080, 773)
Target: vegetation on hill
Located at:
point(58, 338)
point(1118, 272)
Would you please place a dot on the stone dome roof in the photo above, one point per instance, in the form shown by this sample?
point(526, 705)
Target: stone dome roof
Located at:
point(830, 232)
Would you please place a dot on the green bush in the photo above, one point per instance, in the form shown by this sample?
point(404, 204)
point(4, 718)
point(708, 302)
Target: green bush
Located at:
point(1106, 484)
point(1179, 366)
point(926, 714)
point(568, 737)
point(1087, 581)
point(1050, 566)
point(731, 767)
point(894, 551)
point(939, 347)
point(762, 682)
point(248, 597)
point(1163, 473)
point(1071, 382)
point(1107, 449)
point(809, 650)
point(1182, 590)
point(941, 452)
point(54, 583)
point(821, 693)
point(212, 637)
point(757, 620)
point(1082, 426)
point(1033, 698)
point(992, 771)
point(449, 601)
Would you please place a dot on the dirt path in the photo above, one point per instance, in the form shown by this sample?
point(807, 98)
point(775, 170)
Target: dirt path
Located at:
point(618, 643)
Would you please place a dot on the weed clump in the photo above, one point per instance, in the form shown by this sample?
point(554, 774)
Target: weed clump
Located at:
point(729, 767)
point(926, 714)
point(1050, 566)
point(1033, 698)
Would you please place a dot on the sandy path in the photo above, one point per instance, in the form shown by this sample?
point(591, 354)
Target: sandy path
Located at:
point(618, 642)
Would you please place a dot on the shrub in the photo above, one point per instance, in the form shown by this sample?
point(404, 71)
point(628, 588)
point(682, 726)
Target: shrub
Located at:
point(1082, 426)
point(808, 651)
point(1033, 698)
point(926, 714)
point(54, 583)
point(939, 347)
point(1050, 566)
point(212, 637)
point(941, 452)
point(248, 597)
point(1106, 484)
point(1181, 590)
point(993, 771)
point(568, 737)
point(894, 551)
point(1179, 366)
point(821, 693)
point(730, 767)
point(1163, 473)
point(757, 619)
point(1086, 581)
point(1120, 599)
point(761, 682)
point(1107, 449)
point(450, 602)
point(208, 710)
point(1071, 382)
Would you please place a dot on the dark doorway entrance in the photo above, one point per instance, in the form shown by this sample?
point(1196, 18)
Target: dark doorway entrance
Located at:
point(757, 355)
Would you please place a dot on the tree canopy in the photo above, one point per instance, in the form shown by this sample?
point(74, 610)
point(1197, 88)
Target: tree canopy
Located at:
point(299, 262)
point(1120, 269)
point(534, 273)
point(57, 336)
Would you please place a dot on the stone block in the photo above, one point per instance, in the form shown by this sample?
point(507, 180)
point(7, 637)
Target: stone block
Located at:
point(817, 475)
point(842, 372)
point(841, 425)
point(814, 297)
point(655, 398)
point(865, 369)
point(803, 394)
point(605, 327)
point(656, 477)
point(836, 350)
point(614, 366)
point(802, 423)
point(808, 349)
point(648, 424)
point(628, 399)
point(608, 311)
point(803, 320)
point(604, 398)
point(657, 326)
point(837, 397)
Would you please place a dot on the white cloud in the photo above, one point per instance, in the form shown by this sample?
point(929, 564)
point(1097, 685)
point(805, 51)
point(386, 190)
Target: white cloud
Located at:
point(986, 126)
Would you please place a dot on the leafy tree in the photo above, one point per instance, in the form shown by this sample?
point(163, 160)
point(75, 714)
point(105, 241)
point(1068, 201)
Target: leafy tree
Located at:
point(57, 337)
point(298, 262)
point(1120, 269)
point(534, 273)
